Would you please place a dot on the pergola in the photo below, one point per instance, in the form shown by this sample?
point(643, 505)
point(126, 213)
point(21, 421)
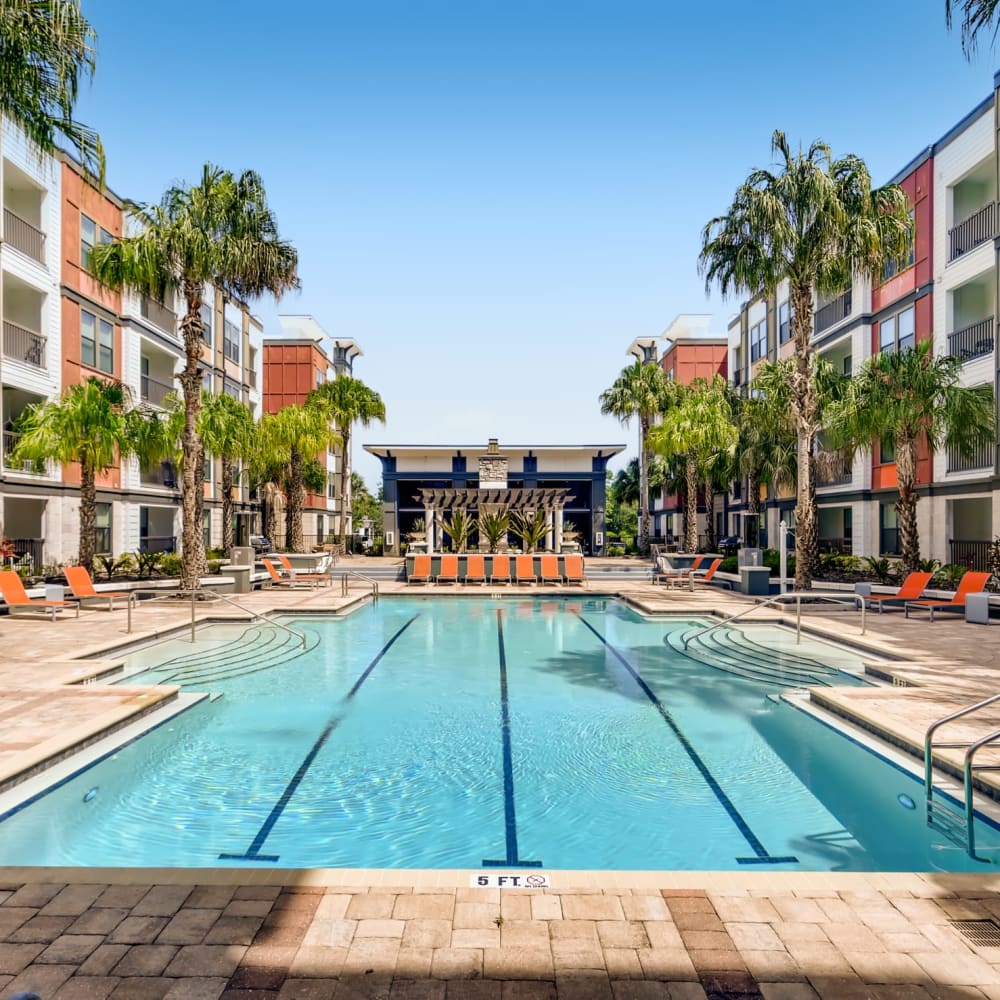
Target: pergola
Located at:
point(551, 501)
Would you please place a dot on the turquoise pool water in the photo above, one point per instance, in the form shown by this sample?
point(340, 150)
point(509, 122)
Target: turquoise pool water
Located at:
point(421, 733)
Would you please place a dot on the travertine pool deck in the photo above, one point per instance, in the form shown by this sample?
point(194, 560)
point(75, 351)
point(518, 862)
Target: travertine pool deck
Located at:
point(70, 934)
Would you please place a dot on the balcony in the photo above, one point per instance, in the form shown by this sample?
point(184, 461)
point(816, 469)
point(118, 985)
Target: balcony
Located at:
point(974, 341)
point(839, 475)
point(981, 458)
point(162, 475)
point(28, 468)
point(833, 312)
point(23, 344)
point(154, 391)
point(23, 236)
point(973, 231)
point(972, 554)
point(157, 543)
point(158, 313)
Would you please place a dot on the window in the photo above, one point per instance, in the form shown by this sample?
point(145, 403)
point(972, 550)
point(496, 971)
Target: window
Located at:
point(320, 378)
point(88, 237)
point(231, 337)
point(896, 333)
point(331, 486)
point(206, 527)
point(758, 341)
point(102, 529)
point(886, 451)
point(890, 269)
point(320, 528)
point(206, 381)
point(848, 364)
point(784, 323)
point(209, 465)
point(230, 388)
point(206, 319)
point(97, 342)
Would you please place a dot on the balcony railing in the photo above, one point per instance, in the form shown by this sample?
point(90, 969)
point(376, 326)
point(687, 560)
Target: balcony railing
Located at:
point(158, 313)
point(161, 475)
point(27, 554)
point(157, 543)
point(153, 391)
point(975, 341)
point(23, 344)
point(982, 458)
point(971, 554)
point(833, 312)
point(836, 546)
point(24, 236)
point(26, 468)
point(971, 232)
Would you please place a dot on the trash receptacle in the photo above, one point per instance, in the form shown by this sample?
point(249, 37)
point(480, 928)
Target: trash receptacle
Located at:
point(755, 580)
point(977, 609)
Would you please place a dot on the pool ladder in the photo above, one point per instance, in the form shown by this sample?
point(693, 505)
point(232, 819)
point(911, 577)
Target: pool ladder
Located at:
point(939, 815)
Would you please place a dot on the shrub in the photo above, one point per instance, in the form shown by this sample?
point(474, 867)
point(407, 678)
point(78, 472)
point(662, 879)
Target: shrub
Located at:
point(170, 564)
point(884, 569)
point(114, 567)
point(948, 577)
point(616, 550)
point(215, 566)
point(147, 562)
point(220, 554)
point(729, 565)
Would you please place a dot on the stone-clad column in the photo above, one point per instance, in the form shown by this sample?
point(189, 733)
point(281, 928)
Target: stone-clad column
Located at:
point(429, 527)
point(558, 528)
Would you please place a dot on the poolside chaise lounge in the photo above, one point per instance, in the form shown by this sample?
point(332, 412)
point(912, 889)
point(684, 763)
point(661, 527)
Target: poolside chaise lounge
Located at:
point(573, 570)
point(500, 569)
point(448, 573)
point(706, 577)
point(549, 570)
point(277, 580)
point(971, 583)
point(913, 586)
point(524, 569)
point(421, 570)
point(475, 569)
point(298, 574)
point(82, 588)
point(668, 574)
point(16, 597)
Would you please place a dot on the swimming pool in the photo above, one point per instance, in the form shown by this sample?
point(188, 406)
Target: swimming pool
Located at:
point(423, 733)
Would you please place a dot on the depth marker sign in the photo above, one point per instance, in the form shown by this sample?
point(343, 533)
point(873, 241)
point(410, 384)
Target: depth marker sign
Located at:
point(520, 880)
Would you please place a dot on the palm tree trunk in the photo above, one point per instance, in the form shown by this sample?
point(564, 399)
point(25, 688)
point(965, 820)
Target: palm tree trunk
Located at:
point(691, 506)
point(345, 485)
point(193, 489)
point(88, 516)
point(804, 412)
point(753, 494)
point(643, 487)
point(296, 497)
point(199, 515)
point(227, 503)
point(906, 505)
point(711, 542)
point(271, 510)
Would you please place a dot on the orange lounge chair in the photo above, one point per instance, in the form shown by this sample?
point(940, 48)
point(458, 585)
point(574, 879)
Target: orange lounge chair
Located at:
point(421, 570)
point(913, 586)
point(709, 573)
point(676, 574)
point(448, 573)
point(82, 588)
point(499, 569)
point(299, 575)
point(277, 580)
point(573, 570)
point(475, 569)
point(550, 570)
point(971, 583)
point(16, 597)
point(524, 569)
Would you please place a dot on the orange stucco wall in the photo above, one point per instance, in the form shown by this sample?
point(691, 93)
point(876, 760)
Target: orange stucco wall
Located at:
point(691, 361)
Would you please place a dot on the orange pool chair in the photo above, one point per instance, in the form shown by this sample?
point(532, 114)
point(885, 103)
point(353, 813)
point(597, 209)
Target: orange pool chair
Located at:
point(421, 570)
point(500, 569)
point(971, 583)
point(475, 569)
point(677, 574)
point(709, 573)
point(913, 586)
point(16, 597)
point(549, 570)
point(277, 580)
point(82, 588)
point(524, 569)
point(573, 570)
point(299, 575)
point(448, 573)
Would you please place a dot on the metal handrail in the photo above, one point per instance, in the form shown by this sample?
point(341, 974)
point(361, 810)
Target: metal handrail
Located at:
point(345, 573)
point(211, 595)
point(970, 813)
point(778, 599)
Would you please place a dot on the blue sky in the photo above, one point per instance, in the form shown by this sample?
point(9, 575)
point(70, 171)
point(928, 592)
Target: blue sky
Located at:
point(495, 198)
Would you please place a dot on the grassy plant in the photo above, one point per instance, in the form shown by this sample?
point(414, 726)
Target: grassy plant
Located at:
point(494, 525)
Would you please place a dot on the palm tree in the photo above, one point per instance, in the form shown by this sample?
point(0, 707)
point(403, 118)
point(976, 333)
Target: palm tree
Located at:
point(638, 391)
point(698, 426)
point(87, 426)
point(226, 428)
point(219, 232)
point(765, 455)
point(458, 526)
point(904, 396)
point(817, 222)
point(46, 47)
point(347, 401)
point(977, 16)
point(290, 438)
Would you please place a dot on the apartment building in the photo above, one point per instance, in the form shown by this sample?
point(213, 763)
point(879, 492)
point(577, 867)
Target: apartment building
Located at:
point(60, 327)
point(300, 359)
point(945, 293)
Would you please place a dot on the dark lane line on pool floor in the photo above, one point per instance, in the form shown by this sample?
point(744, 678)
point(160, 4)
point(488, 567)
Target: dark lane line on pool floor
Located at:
point(761, 857)
point(253, 851)
point(512, 860)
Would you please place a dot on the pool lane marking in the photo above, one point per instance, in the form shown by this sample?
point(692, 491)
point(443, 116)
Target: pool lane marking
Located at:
point(761, 857)
point(509, 812)
point(253, 851)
